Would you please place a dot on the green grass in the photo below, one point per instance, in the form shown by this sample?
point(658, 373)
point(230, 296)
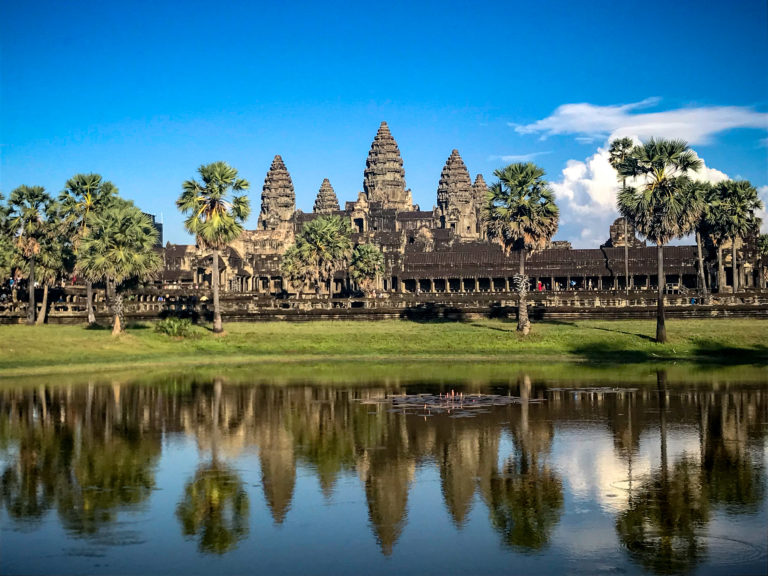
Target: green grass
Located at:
point(30, 350)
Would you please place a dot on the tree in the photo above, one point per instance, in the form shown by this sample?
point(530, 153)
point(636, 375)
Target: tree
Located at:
point(83, 195)
point(366, 264)
point(695, 197)
point(28, 205)
point(212, 217)
point(521, 215)
point(6, 242)
point(294, 269)
point(619, 156)
point(658, 206)
point(119, 248)
point(55, 256)
point(323, 247)
point(736, 216)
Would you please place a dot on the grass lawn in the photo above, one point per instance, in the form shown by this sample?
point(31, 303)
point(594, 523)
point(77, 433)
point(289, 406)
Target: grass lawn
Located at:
point(30, 350)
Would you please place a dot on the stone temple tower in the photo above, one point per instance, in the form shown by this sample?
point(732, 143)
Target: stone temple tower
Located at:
point(455, 199)
point(326, 201)
point(278, 200)
point(384, 177)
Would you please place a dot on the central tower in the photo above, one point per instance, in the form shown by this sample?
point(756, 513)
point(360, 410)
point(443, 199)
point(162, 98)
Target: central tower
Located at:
point(384, 177)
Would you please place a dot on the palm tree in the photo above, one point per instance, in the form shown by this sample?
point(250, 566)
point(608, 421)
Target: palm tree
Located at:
point(619, 157)
point(695, 196)
point(55, 256)
point(28, 205)
point(739, 203)
point(83, 195)
point(366, 264)
point(521, 215)
point(659, 207)
point(325, 246)
point(294, 269)
point(118, 248)
point(6, 242)
point(212, 218)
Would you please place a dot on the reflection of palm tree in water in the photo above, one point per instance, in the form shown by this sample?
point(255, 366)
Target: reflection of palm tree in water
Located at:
point(525, 498)
point(662, 525)
point(215, 505)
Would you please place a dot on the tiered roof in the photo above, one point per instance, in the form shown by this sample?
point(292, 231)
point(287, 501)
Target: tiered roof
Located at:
point(326, 201)
point(278, 200)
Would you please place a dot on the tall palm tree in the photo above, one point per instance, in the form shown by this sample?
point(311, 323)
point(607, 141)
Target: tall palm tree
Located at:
point(212, 217)
point(619, 157)
point(28, 205)
point(739, 203)
point(83, 195)
point(658, 206)
point(325, 246)
point(366, 264)
point(521, 214)
point(695, 197)
point(55, 256)
point(6, 243)
point(119, 248)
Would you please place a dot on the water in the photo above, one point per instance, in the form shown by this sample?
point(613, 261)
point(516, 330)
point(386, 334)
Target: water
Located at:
point(194, 474)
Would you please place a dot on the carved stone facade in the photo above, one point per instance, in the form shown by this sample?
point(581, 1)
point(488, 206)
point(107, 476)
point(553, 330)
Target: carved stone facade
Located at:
point(384, 176)
point(617, 239)
point(438, 250)
point(456, 208)
point(278, 200)
point(326, 201)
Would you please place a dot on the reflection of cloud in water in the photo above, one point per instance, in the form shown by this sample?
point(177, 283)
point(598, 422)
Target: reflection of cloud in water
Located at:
point(586, 458)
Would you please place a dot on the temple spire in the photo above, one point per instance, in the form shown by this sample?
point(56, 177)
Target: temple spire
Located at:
point(384, 176)
point(455, 204)
point(326, 201)
point(278, 200)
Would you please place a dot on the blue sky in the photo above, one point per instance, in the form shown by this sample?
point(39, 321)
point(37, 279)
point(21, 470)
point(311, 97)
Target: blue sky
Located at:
point(145, 92)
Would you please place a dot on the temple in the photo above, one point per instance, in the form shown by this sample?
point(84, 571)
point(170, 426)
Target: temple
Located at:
point(443, 250)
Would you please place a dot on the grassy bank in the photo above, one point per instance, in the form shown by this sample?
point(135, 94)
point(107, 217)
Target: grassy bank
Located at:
point(28, 350)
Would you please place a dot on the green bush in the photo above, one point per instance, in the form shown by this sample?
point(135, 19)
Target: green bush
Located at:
point(175, 327)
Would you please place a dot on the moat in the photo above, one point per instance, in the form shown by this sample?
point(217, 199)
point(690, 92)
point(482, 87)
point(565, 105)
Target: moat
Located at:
point(193, 474)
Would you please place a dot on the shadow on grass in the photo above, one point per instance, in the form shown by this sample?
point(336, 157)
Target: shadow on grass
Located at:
point(715, 352)
point(704, 354)
point(614, 353)
point(96, 326)
point(641, 336)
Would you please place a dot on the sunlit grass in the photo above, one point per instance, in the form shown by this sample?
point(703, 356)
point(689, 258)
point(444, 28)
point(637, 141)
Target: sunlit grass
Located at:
point(41, 349)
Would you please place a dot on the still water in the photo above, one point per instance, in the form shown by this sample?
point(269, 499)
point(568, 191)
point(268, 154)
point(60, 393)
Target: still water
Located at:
point(201, 475)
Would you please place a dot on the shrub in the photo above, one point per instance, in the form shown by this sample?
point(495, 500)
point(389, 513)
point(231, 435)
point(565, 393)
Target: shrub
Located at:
point(175, 327)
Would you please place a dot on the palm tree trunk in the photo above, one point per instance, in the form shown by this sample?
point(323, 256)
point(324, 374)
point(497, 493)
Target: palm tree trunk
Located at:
point(117, 311)
point(523, 324)
point(43, 307)
point(733, 266)
point(31, 292)
point(702, 279)
point(720, 270)
point(89, 302)
point(217, 327)
point(661, 329)
point(626, 252)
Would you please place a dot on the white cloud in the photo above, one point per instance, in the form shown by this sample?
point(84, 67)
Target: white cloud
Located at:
point(586, 195)
point(518, 157)
point(697, 125)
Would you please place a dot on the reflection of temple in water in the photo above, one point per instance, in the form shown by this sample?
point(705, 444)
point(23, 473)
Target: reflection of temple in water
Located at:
point(65, 441)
